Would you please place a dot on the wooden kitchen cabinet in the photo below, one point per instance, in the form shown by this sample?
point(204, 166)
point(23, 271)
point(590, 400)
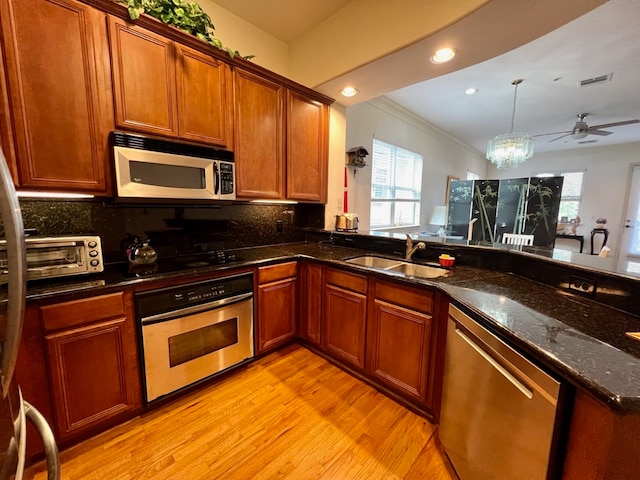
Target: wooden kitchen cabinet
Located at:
point(307, 134)
point(345, 316)
point(164, 88)
point(268, 166)
point(311, 281)
point(259, 141)
point(144, 79)
point(92, 360)
point(277, 305)
point(400, 337)
point(205, 103)
point(57, 98)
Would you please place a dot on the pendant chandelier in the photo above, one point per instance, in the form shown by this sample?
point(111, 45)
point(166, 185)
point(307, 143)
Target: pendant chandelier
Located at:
point(510, 149)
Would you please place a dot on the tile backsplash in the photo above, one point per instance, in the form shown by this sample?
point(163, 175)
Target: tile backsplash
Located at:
point(173, 229)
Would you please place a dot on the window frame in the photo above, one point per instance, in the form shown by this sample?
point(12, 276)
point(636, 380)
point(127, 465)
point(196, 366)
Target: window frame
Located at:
point(565, 198)
point(393, 201)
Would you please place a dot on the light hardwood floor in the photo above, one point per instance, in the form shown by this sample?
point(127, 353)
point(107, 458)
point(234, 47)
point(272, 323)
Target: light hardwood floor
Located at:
point(289, 415)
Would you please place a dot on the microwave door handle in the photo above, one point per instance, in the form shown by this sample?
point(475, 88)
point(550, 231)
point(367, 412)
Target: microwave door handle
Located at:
point(216, 173)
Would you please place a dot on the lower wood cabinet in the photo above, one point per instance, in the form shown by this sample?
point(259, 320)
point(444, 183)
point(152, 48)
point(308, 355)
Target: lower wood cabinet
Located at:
point(277, 305)
point(91, 352)
point(400, 334)
point(311, 281)
point(345, 316)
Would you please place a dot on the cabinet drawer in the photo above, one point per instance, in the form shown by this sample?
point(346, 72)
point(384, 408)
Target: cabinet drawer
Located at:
point(277, 272)
point(350, 281)
point(414, 298)
point(76, 312)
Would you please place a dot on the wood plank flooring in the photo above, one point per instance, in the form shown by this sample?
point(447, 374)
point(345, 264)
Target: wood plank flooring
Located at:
point(290, 415)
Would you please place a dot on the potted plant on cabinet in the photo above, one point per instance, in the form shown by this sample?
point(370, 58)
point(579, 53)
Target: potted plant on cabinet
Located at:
point(187, 16)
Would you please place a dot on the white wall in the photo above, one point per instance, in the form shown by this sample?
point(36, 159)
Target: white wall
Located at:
point(237, 33)
point(605, 187)
point(442, 154)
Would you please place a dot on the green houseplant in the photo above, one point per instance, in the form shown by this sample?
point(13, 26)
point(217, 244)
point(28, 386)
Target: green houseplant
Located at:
point(187, 16)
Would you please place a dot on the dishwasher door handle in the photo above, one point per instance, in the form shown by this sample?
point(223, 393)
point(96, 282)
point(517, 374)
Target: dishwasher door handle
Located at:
point(527, 392)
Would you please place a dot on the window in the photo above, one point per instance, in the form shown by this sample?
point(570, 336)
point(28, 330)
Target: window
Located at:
point(396, 179)
point(571, 193)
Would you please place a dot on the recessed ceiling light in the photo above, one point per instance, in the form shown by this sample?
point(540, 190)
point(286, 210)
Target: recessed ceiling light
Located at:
point(349, 92)
point(470, 91)
point(443, 55)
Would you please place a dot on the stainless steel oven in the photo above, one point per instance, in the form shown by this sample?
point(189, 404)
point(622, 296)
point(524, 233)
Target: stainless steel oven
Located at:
point(193, 331)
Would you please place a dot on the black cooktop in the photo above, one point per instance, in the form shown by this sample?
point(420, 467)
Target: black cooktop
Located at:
point(183, 262)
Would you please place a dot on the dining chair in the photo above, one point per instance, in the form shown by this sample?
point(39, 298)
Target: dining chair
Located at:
point(516, 239)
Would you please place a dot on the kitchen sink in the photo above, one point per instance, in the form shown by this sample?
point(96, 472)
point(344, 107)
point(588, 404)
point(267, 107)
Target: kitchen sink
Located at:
point(398, 266)
point(375, 262)
point(416, 270)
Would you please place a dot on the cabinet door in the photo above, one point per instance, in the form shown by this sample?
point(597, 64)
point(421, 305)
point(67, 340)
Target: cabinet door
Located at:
point(345, 322)
point(92, 361)
point(89, 376)
point(400, 347)
point(259, 146)
point(59, 83)
point(307, 130)
point(311, 303)
point(144, 80)
point(276, 313)
point(205, 109)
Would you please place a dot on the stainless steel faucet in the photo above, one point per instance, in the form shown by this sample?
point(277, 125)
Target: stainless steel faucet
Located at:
point(411, 248)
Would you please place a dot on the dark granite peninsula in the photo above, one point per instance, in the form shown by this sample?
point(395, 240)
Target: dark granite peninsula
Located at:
point(523, 298)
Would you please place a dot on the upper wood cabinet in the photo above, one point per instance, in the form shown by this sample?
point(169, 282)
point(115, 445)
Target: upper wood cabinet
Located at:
point(307, 132)
point(205, 98)
point(268, 167)
point(58, 99)
point(164, 88)
point(259, 144)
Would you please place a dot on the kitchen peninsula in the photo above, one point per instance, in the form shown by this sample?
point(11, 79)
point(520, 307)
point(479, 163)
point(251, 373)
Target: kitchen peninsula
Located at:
point(578, 339)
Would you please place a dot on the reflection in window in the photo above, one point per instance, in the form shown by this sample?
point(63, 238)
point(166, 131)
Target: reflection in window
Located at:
point(396, 180)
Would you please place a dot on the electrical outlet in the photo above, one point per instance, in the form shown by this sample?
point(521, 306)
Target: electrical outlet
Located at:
point(279, 226)
point(582, 285)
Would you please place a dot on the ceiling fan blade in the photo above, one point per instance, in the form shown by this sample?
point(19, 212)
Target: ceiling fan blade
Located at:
point(551, 133)
point(561, 136)
point(602, 133)
point(614, 124)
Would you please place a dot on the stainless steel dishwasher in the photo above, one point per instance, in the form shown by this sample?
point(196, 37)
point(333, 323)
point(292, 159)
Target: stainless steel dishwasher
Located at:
point(499, 410)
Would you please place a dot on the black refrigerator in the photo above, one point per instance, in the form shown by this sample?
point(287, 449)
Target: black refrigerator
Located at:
point(14, 410)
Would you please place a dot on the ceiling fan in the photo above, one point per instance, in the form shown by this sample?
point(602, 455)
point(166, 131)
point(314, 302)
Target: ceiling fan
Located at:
point(581, 129)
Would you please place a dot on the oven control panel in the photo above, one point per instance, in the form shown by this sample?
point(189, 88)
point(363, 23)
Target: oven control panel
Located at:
point(168, 299)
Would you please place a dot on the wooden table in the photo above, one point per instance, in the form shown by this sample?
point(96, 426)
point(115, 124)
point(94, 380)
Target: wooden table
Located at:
point(579, 238)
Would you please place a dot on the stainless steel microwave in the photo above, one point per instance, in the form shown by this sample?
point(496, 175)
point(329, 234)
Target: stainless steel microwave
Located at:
point(151, 167)
point(50, 257)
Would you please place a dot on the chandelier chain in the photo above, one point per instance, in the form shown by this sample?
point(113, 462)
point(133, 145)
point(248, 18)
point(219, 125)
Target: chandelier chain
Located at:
point(515, 95)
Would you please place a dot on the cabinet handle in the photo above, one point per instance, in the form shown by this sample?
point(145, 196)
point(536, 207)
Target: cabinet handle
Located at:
point(48, 440)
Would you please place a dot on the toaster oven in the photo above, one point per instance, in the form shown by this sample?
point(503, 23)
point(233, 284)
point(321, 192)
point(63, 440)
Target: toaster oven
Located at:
point(50, 257)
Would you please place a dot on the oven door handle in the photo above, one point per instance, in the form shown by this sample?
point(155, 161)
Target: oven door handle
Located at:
point(159, 317)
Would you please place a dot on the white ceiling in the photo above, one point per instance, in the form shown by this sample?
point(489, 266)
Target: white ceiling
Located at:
point(605, 40)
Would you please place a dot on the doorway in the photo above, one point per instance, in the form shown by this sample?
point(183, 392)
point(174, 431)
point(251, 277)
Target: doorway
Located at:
point(629, 258)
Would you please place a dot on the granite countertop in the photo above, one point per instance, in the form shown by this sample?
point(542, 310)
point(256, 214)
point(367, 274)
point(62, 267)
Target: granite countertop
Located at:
point(581, 340)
